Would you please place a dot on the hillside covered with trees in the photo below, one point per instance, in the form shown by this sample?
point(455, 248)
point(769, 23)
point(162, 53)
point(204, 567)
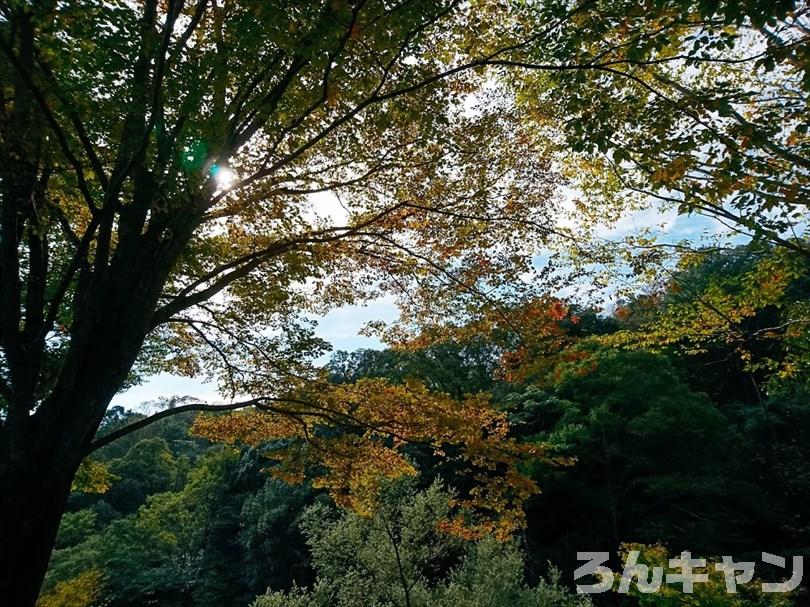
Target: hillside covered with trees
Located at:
point(699, 443)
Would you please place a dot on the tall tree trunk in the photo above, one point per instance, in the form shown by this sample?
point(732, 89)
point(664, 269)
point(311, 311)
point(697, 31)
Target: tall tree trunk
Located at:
point(39, 457)
point(42, 447)
point(34, 487)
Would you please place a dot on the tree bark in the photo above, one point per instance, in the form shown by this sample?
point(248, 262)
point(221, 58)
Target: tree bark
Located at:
point(34, 485)
point(39, 457)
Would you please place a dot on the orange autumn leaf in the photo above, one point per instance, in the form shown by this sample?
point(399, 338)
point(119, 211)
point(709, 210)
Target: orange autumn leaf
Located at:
point(350, 439)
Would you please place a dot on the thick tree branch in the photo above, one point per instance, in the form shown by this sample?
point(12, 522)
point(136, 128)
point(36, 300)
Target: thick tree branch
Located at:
point(262, 403)
point(106, 439)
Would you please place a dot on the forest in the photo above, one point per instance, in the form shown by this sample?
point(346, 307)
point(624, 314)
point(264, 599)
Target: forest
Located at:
point(590, 218)
point(660, 450)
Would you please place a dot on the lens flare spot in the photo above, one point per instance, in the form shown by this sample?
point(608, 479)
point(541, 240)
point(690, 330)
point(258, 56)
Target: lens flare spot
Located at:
point(224, 177)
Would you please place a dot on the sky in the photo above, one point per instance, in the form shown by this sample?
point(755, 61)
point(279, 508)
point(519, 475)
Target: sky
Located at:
point(341, 327)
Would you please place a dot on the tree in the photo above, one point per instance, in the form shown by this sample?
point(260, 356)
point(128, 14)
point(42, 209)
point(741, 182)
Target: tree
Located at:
point(742, 311)
point(699, 104)
point(147, 468)
point(356, 440)
point(400, 558)
point(450, 367)
point(82, 591)
point(652, 461)
point(225, 533)
point(157, 165)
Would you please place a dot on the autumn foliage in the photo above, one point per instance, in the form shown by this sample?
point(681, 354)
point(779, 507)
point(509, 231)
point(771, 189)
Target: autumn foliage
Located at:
point(353, 438)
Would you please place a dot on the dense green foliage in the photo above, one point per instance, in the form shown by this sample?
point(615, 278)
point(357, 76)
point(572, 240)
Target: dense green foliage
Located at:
point(398, 557)
point(205, 528)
